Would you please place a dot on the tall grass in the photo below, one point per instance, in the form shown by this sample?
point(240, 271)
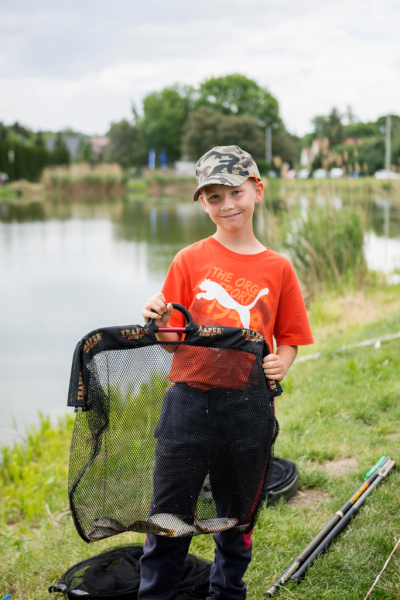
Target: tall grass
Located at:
point(83, 178)
point(327, 248)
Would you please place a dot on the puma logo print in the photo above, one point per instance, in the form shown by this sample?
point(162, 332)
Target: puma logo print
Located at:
point(214, 291)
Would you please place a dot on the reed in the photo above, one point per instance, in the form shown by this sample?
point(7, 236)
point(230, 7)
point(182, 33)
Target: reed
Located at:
point(327, 248)
point(84, 179)
point(362, 189)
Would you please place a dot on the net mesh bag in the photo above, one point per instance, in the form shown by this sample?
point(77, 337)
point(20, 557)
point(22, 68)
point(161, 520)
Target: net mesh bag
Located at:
point(155, 420)
point(115, 573)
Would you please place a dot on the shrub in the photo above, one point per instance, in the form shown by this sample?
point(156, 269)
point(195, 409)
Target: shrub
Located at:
point(327, 247)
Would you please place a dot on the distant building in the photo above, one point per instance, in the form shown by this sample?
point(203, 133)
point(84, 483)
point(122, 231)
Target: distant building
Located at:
point(98, 144)
point(318, 146)
point(185, 168)
point(305, 158)
point(355, 141)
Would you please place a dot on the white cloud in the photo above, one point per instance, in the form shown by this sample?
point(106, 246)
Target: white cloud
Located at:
point(82, 64)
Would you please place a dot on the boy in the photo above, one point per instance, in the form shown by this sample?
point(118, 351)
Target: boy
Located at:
point(228, 279)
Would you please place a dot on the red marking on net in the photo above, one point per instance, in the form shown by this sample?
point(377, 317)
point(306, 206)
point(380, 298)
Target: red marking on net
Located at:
point(173, 329)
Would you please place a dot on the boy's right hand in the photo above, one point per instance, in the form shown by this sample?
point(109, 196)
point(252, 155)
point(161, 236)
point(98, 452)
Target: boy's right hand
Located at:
point(156, 308)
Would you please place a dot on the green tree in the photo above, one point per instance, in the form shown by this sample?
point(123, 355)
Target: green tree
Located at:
point(236, 94)
point(60, 154)
point(394, 125)
point(286, 146)
point(361, 130)
point(3, 132)
point(373, 154)
point(126, 145)
point(320, 123)
point(85, 152)
point(20, 130)
point(206, 128)
point(334, 129)
point(395, 158)
point(329, 126)
point(39, 141)
point(164, 115)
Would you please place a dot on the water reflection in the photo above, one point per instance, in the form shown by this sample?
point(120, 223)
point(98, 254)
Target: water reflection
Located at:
point(164, 226)
point(66, 269)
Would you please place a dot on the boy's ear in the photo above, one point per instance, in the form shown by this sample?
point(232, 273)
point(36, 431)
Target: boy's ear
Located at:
point(259, 192)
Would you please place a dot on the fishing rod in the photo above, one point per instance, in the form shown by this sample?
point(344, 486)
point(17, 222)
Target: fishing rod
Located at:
point(383, 472)
point(321, 535)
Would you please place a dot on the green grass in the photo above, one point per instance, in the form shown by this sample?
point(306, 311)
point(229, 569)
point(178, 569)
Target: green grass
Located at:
point(342, 405)
point(7, 193)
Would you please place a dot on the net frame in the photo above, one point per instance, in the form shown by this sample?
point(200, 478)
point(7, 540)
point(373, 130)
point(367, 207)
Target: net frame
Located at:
point(98, 344)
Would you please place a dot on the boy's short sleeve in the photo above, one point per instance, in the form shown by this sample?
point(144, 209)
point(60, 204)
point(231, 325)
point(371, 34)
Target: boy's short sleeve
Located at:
point(174, 290)
point(291, 325)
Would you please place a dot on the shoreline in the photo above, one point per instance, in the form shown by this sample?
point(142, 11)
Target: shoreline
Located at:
point(169, 185)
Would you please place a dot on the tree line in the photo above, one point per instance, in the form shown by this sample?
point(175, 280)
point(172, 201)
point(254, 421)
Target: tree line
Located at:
point(23, 153)
point(356, 145)
point(183, 122)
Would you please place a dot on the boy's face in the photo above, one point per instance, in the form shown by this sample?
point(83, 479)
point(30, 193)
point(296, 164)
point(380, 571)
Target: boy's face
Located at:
point(231, 208)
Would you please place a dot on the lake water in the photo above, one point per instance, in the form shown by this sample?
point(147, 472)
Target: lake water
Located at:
point(68, 268)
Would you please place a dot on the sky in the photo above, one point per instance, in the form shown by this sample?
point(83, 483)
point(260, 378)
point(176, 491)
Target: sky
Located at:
point(82, 63)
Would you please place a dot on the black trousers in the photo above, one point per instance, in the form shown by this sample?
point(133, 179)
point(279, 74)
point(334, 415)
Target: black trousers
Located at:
point(219, 432)
point(223, 433)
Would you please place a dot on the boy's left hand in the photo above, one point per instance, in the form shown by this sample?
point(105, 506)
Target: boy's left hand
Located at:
point(274, 367)
point(277, 365)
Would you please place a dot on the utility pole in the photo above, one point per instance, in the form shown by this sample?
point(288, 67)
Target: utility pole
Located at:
point(268, 144)
point(387, 161)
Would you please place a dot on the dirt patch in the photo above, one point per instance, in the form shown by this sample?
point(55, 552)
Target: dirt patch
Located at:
point(393, 437)
point(340, 466)
point(308, 498)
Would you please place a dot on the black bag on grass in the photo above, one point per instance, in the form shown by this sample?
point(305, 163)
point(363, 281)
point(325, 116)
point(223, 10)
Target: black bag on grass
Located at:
point(155, 419)
point(116, 574)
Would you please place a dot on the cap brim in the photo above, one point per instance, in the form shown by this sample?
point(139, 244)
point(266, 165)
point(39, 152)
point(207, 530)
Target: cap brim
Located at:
point(221, 179)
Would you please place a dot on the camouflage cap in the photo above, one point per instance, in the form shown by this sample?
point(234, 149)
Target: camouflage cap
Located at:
point(226, 165)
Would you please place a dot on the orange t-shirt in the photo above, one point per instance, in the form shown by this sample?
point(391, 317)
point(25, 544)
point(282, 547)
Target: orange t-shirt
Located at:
point(253, 291)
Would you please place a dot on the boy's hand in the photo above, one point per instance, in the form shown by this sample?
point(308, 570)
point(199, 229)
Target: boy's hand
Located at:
point(274, 367)
point(155, 308)
point(277, 365)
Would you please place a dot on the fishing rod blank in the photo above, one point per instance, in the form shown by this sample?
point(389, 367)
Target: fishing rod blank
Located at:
point(383, 471)
point(296, 564)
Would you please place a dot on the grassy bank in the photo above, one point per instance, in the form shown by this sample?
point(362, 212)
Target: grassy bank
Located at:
point(338, 415)
point(7, 193)
point(358, 190)
point(84, 179)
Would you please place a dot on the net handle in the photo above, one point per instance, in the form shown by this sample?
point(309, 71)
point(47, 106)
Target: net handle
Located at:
point(189, 327)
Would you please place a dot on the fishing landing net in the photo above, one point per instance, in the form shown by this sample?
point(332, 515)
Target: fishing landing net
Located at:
point(115, 573)
point(155, 420)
